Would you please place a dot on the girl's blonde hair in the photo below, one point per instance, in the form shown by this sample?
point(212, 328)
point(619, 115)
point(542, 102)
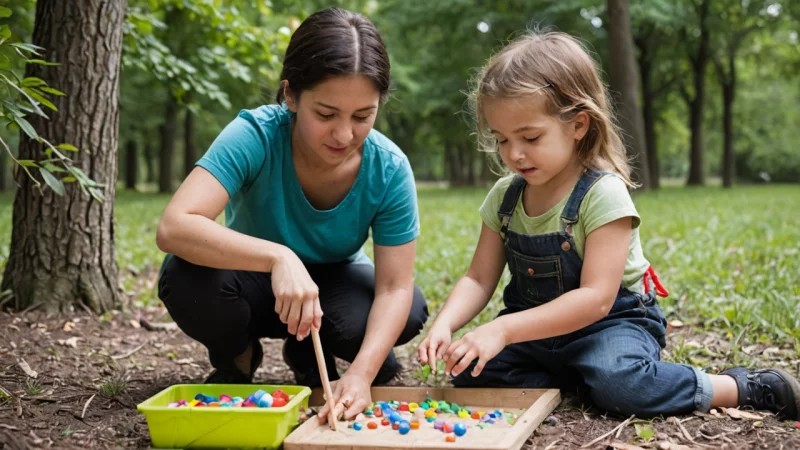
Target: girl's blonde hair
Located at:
point(557, 66)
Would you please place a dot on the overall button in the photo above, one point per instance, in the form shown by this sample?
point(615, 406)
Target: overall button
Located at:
point(565, 246)
point(530, 271)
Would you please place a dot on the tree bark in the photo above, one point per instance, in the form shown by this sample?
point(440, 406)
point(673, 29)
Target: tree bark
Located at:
point(131, 164)
point(3, 164)
point(649, 116)
point(697, 104)
point(167, 153)
point(728, 97)
point(189, 143)
point(149, 160)
point(625, 83)
point(62, 248)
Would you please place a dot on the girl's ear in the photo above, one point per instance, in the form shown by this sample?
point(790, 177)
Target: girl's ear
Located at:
point(581, 123)
point(288, 96)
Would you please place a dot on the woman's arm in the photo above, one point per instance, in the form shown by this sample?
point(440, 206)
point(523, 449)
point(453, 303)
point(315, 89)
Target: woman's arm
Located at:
point(188, 229)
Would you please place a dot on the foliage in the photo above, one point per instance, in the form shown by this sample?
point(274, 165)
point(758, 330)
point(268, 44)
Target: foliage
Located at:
point(25, 96)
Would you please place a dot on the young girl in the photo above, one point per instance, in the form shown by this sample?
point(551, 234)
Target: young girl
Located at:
point(580, 309)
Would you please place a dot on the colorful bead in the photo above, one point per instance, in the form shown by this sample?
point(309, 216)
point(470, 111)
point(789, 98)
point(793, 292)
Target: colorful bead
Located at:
point(476, 416)
point(429, 413)
point(396, 426)
point(463, 414)
point(447, 427)
point(430, 419)
point(278, 402)
point(357, 426)
point(425, 405)
point(438, 424)
point(450, 438)
point(414, 425)
point(385, 422)
point(372, 425)
point(404, 427)
point(460, 429)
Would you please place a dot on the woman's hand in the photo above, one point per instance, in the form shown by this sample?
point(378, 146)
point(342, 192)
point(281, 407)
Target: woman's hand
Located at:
point(482, 343)
point(351, 396)
point(296, 295)
point(435, 344)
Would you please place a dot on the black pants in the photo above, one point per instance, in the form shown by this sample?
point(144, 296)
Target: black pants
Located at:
point(225, 310)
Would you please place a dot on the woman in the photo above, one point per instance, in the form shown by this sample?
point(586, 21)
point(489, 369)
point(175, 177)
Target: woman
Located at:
point(302, 183)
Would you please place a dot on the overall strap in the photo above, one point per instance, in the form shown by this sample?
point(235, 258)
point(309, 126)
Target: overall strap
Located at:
point(510, 202)
point(570, 214)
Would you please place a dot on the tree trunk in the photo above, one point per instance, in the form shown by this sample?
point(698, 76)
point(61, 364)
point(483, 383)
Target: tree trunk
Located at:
point(149, 159)
point(167, 154)
point(189, 143)
point(625, 83)
point(696, 106)
point(728, 95)
point(3, 164)
point(131, 164)
point(62, 248)
point(649, 116)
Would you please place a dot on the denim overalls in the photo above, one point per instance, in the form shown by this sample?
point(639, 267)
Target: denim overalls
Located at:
point(615, 359)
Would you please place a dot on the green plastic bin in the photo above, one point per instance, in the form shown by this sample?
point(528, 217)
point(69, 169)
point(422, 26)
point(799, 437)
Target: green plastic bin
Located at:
point(221, 427)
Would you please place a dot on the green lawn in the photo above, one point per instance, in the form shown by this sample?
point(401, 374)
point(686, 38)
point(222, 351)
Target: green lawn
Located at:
point(731, 259)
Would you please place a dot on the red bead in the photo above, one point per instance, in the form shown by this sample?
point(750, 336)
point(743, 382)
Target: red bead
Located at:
point(447, 428)
point(378, 412)
point(396, 426)
point(385, 422)
point(403, 407)
point(280, 394)
point(277, 402)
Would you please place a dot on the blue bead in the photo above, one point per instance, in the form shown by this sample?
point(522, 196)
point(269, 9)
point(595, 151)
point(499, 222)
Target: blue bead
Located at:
point(357, 426)
point(394, 417)
point(460, 429)
point(404, 427)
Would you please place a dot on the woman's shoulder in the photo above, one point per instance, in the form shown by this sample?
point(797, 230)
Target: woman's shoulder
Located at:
point(267, 118)
point(385, 149)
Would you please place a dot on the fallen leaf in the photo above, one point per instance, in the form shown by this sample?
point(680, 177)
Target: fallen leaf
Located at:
point(676, 323)
point(134, 323)
point(71, 342)
point(714, 412)
point(770, 350)
point(184, 361)
point(27, 369)
point(644, 431)
point(736, 413)
point(69, 326)
point(749, 349)
point(758, 424)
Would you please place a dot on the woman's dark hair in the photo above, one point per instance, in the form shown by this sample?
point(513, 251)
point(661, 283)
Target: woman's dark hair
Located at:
point(335, 42)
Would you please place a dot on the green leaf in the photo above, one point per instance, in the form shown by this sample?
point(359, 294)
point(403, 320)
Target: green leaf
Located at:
point(27, 163)
point(41, 62)
point(67, 432)
point(52, 168)
point(5, 32)
point(53, 182)
point(67, 147)
point(69, 179)
point(50, 90)
point(5, 12)
point(97, 193)
point(27, 128)
point(645, 431)
point(30, 48)
point(38, 97)
point(33, 82)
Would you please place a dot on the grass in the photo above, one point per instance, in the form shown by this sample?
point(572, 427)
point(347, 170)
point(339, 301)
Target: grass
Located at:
point(730, 258)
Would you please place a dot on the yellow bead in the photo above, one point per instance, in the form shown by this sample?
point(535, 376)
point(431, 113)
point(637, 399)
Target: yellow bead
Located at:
point(463, 414)
point(481, 413)
point(430, 413)
point(193, 403)
point(412, 408)
point(434, 405)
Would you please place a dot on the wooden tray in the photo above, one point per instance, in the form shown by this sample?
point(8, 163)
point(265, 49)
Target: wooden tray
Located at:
point(539, 403)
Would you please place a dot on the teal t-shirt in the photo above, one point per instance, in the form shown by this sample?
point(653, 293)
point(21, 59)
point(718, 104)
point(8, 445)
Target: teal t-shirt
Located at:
point(252, 158)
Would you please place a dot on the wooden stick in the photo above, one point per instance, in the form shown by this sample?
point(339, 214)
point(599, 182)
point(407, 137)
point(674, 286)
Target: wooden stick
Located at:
point(619, 427)
point(323, 374)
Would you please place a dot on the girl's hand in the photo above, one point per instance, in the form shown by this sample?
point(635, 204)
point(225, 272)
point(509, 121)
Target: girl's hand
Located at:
point(296, 295)
point(351, 396)
point(434, 345)
point(483, 343)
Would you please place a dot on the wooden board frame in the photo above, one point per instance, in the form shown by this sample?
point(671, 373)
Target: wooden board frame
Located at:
point(539, 403)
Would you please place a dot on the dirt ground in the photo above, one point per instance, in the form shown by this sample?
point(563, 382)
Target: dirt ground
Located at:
point(90, 373)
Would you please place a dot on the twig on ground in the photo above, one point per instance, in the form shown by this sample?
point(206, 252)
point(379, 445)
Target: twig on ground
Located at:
point(150, 326)
point(619, 427)
point(87, 405)
point(125, 355)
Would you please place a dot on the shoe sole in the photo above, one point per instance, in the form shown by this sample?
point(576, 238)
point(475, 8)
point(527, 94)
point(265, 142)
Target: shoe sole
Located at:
point(795, 386)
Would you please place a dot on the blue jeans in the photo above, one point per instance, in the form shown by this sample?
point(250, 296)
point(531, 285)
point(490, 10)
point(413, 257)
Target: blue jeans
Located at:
point(616, 361)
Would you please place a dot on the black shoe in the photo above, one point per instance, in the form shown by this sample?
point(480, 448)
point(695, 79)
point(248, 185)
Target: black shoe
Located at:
point(767, 389)
point(232, 375)
point(300, 358)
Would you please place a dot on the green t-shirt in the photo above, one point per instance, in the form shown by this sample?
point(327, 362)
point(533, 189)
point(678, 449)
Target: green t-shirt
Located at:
point(606, 201)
